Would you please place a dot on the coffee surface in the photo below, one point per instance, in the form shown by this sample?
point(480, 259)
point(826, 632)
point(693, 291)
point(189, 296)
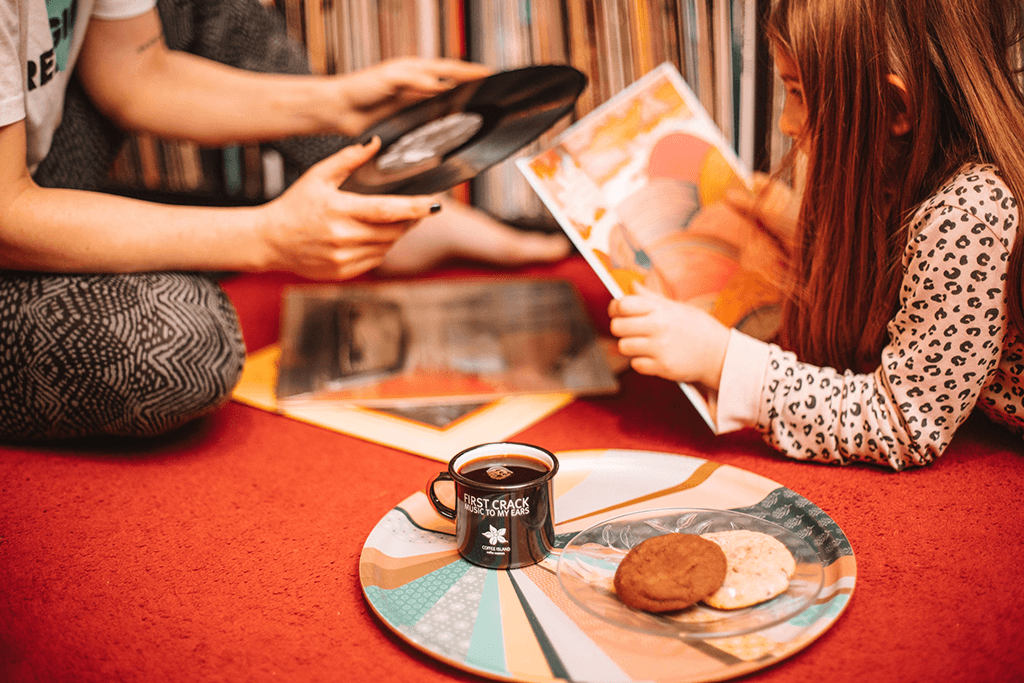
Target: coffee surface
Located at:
point(506, 470)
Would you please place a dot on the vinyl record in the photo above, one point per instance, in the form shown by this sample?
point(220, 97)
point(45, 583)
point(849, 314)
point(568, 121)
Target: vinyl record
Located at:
point(448, 139)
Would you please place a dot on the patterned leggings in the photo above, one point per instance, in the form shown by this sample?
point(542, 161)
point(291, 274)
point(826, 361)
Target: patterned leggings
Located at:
point(133, 355)
point(130, 355)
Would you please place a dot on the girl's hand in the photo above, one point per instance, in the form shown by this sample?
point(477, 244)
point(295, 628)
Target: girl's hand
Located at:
point(772, 204)
point(315, 230)
point(371, 94)
point(669, 339)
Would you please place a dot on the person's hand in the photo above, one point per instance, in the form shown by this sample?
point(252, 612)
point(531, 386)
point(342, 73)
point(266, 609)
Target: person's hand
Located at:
point(772, 204)
point(315, 230)
point(669, 338)
point(369, 95)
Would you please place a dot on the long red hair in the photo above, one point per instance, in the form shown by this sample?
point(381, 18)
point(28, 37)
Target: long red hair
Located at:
point(864, 181)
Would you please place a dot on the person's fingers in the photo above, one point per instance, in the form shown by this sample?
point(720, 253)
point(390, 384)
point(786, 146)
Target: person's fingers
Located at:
point(633, 305)
point(457, 69)
point(378, 209)
point(383, 209)
point(629, 326)
point(741, 200)
point(349, 263)
point(760, 182)
point(646, 366)
point(433, 75)
point(345, 271)
point(642, 289)
point(634, 346)
point(621, 307)
point(340, 165)
point(360, 232)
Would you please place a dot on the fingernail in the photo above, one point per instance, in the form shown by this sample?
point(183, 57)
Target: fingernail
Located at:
point(434, 208)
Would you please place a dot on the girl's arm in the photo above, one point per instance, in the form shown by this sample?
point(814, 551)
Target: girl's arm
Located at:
point(135, 80)
point(946, 343)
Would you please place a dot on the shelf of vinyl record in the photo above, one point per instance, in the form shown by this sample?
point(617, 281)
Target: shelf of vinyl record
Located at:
point(715, 44)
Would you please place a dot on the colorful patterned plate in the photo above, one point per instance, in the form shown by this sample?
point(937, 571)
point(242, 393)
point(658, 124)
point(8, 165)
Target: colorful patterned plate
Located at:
point(521, 625)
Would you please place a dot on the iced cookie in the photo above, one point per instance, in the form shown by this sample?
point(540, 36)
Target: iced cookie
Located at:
point(670, 572)
point(759, 568)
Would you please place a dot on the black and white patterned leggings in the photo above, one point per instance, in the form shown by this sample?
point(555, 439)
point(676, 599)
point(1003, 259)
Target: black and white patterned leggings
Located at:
point(133, 355)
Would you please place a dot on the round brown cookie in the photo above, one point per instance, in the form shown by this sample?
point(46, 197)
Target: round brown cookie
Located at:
point(670, 572)
point(759, 568)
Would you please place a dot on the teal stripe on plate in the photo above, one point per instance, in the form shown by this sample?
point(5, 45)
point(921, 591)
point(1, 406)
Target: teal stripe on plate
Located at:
point(487, 648)
point(830, 609)
point(405, 605)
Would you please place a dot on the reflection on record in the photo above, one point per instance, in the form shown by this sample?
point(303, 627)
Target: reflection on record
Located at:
point(447, 139)
point(428, 142)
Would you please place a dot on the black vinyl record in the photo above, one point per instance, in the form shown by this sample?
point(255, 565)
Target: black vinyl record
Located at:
point(448, 139)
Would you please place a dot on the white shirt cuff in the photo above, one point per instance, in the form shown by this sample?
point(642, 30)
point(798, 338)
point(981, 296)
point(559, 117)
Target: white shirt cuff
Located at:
point(742, 384)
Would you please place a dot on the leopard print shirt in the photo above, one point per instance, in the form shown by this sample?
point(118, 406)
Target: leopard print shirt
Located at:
point(951, 348)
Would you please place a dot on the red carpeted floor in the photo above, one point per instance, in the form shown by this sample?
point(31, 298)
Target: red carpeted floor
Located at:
point(228, 551)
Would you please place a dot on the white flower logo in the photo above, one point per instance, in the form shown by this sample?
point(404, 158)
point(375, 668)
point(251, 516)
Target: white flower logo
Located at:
point(495, 536)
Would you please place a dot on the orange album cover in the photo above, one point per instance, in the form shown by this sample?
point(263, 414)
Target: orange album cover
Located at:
point(638, 184)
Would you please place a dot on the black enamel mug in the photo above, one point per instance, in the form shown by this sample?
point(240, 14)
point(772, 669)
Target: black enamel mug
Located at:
point(504, 512)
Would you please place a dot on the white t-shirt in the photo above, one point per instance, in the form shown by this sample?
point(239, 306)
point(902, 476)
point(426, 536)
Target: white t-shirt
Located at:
point(39, 44)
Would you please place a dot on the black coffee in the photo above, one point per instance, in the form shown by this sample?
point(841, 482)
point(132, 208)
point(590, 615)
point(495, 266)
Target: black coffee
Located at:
point(506, 470)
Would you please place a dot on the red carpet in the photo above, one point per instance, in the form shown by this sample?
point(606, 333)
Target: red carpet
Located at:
point(229, 551)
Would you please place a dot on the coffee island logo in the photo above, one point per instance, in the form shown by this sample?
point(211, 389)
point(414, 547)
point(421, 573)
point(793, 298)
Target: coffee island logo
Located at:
point(496, 507)
point(497, 544)
point(496, 536)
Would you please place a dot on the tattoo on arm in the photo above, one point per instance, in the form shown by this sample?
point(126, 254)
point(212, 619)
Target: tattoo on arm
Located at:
point(150, 43)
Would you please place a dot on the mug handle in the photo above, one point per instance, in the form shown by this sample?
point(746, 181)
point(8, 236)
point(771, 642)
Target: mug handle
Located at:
point(435, 502)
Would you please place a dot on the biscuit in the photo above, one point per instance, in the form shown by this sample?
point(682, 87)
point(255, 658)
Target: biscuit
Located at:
point(670, 572)
point(759, 568)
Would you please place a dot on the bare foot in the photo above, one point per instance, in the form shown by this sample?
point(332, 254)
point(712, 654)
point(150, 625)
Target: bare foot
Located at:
point(462, 232)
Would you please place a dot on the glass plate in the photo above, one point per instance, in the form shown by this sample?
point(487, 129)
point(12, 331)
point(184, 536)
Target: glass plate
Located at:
point(588, 563)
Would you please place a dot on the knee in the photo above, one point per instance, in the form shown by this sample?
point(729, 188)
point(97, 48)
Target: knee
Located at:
point(128, 355)
point(187, 355)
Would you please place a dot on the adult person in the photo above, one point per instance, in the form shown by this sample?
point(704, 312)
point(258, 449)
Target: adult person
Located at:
point(107, 322)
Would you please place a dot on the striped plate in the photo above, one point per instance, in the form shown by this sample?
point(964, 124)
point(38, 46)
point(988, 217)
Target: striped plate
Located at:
point(520, 625)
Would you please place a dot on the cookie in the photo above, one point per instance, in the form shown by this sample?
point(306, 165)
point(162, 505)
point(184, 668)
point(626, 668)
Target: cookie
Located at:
point(670, 572)
point(760, 567)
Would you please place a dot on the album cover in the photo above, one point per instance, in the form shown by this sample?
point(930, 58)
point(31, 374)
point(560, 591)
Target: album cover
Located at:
point(406, 345)
point(436, 432)
point(637, 186)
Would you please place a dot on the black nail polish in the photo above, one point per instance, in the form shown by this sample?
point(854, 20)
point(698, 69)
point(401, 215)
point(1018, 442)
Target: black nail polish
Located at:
point(434, 208)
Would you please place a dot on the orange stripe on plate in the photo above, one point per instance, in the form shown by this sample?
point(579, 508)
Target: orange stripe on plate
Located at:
point(523, 654)
point(378, 569)
point(695, 479)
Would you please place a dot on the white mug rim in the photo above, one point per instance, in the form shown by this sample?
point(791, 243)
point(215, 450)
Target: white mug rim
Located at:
point(503, 448)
